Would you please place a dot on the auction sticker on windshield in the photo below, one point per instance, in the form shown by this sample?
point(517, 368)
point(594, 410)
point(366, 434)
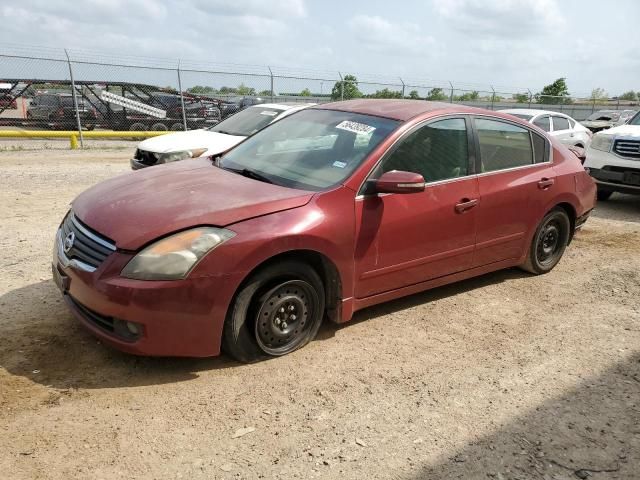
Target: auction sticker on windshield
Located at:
point(355, 127)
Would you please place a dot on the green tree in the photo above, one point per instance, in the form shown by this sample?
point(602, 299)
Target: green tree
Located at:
point(413, 95)
point(244, 90)
point(347, 88)
point(630, 95)
point(264, 93)
point(436, 95)
point(200, 90)
point(305, 93)
point(386, 93)
point(598, 95)
point(228, 90)
point(555, 93)
point(521, 97)
point(468, 97)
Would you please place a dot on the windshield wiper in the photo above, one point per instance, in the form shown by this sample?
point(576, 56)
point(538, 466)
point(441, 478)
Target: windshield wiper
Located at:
point(227, 132)
point(245, 172)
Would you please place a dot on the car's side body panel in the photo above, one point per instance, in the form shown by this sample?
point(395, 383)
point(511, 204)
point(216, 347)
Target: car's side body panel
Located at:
point(407, 239)
point(382, 246)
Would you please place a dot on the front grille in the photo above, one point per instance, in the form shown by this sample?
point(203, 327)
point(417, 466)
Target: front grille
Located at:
point(110, 325)
point(627, 148)
point(80, 243)
point(101, 321)
point(148, 158)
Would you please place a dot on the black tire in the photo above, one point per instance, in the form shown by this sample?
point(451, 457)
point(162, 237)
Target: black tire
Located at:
point(548, 243)
point(137, 127)
point(278, 310)
point(604, 195)
point(177, 127)
point(159, 127)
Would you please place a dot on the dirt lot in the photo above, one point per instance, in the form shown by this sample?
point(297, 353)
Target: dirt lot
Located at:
point(507, 376)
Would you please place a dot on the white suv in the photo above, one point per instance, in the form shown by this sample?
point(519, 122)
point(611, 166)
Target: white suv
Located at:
point(613, 159)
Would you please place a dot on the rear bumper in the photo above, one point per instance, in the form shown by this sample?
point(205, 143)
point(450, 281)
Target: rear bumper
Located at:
point(582, 219)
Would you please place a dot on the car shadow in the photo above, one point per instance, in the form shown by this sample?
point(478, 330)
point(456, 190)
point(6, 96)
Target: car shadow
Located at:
point(619, 207)
point(591, 431)
point(436, 294)
point(42, 341)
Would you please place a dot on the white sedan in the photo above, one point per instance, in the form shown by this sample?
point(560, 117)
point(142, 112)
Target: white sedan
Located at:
point(211, 141)
point(561, 126)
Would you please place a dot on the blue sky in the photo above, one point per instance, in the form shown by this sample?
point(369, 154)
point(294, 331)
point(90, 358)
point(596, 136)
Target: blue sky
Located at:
point(510, 43)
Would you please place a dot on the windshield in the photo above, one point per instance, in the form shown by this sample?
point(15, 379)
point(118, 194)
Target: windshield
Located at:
point(635, 120)
point(606, 115)
point(311, 149)
point(246, 122)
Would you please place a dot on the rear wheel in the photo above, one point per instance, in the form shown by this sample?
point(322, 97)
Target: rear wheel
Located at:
point(604, 195)
point(277, 311)
point(137, 127)
point(176, 127)
point(548, 243)
point(159, 127)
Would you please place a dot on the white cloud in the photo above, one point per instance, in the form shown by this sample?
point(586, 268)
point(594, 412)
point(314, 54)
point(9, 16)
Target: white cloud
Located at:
point(260, 8)
point(383, 36)
point(500, 17)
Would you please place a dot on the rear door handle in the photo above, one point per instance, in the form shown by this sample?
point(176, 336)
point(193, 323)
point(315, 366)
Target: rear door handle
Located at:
point(545, 183)
point(465, 204)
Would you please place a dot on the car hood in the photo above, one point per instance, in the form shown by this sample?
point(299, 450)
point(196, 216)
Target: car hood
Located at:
point(138, 207)
point(214, 142)
point(627, 131)
point(599, 123)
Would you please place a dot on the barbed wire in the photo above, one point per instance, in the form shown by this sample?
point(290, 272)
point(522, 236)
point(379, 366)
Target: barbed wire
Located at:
point(79, 55)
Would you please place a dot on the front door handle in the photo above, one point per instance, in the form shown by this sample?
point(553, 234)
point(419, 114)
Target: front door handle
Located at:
point(466, 204)
point(545, 183)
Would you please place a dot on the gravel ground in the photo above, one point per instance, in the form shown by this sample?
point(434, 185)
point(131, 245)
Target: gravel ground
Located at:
point(506, 376)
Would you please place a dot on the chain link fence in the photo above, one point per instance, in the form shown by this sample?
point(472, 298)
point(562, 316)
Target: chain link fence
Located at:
point(46, 88)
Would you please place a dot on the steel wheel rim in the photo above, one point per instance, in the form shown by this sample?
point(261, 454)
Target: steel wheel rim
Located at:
point(549, 242)
point(285, 317)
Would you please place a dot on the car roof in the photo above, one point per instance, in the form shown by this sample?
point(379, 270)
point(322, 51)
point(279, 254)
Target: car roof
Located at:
point(531, 111)
point(402, 110)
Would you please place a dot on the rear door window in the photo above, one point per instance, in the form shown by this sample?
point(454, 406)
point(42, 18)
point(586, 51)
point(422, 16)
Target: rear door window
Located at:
point(560, 123)
point(543, 122)
point(503, 145)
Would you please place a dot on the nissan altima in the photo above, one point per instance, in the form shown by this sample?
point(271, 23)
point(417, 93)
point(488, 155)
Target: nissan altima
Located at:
point(330, 210)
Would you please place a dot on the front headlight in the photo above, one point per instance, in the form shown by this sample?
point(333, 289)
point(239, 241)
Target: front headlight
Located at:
point(172, 258)
point(181, 155)
point(602, 142)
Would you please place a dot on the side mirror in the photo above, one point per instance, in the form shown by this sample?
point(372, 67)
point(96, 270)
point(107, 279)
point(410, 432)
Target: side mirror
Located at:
point(398, 181)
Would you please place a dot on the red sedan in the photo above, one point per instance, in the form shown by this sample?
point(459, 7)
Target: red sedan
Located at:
point(328, 211)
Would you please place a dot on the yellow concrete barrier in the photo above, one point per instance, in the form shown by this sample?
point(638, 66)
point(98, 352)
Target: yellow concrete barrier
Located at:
point(72, 135)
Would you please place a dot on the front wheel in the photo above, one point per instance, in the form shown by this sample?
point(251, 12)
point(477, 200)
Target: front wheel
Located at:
point(277, 311)
point(548, 243)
